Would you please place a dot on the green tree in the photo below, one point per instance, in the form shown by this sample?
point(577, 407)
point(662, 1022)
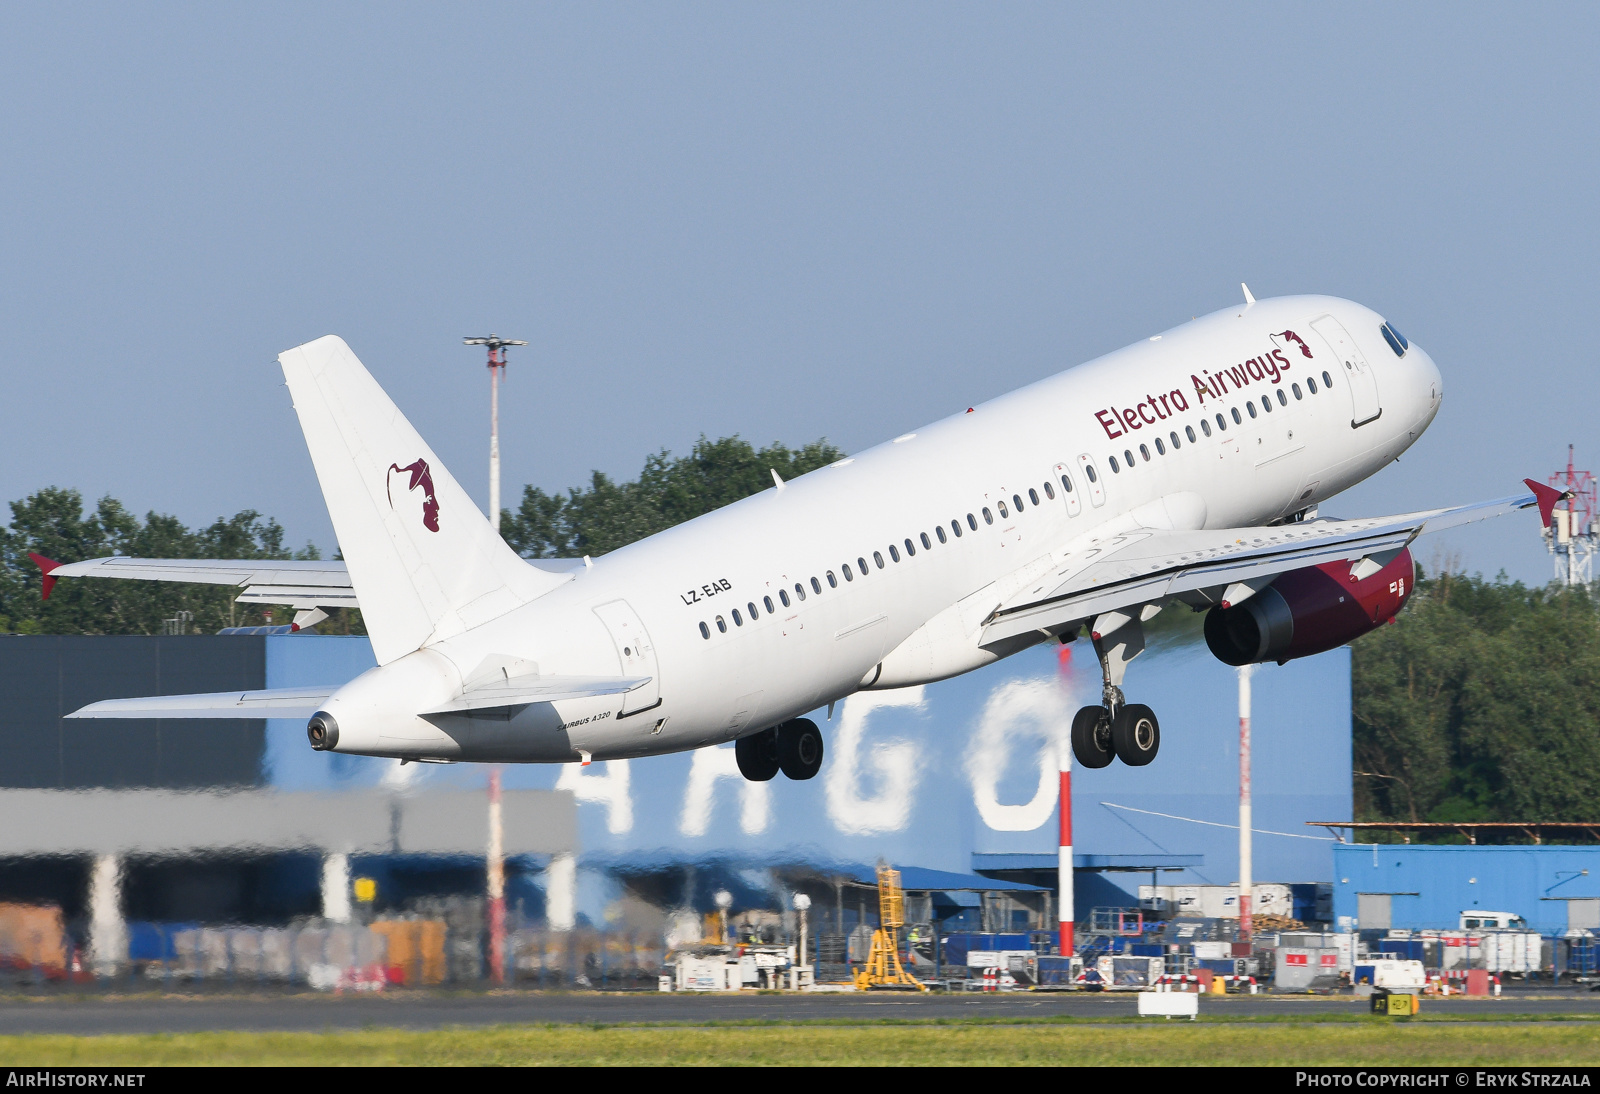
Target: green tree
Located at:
point(1480, 703)
point(607, 515)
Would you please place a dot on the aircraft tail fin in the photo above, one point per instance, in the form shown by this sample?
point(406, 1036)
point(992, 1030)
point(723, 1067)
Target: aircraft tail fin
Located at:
point(424, 561)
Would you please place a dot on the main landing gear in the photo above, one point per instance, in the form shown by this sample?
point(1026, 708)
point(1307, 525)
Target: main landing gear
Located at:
point(1116, 729)
point(795, 748)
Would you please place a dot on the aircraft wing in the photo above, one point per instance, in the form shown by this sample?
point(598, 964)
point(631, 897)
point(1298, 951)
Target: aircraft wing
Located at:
point(515, 691)
point(299, 584)
point(264, 581)
point(1128, 570)
point(275, 703)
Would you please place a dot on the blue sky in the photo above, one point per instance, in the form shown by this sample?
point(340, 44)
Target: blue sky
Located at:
point(782, 221)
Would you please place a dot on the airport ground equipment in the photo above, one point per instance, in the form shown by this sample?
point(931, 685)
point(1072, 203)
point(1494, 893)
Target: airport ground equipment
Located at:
point(883, 968)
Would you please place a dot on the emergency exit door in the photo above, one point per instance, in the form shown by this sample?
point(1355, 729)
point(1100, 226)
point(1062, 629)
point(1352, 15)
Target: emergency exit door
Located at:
point(637, 654)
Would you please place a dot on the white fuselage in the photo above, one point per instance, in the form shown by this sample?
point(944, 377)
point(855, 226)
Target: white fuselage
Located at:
point(646, 609)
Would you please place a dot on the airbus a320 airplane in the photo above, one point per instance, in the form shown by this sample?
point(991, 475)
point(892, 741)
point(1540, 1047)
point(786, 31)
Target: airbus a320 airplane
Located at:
point(1183, 470)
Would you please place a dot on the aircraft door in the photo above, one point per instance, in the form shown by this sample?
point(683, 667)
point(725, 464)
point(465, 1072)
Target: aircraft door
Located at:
point(636, 652)
point(1069, 489)
point(1365, 406)
point(1097, 489)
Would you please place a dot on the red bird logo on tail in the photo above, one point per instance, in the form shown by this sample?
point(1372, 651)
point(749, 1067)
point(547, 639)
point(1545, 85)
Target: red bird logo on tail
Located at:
point(420, 476)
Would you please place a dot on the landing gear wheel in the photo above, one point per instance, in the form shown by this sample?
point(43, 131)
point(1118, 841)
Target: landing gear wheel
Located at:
point(799, 748)
point(757, 755)
point(1091, 737)
point(1136, 735)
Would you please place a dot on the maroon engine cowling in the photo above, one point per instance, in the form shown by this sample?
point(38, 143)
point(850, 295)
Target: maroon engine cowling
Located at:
point(1308, 611)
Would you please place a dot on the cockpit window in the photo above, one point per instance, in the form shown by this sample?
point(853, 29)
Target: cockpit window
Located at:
point(1396, 340)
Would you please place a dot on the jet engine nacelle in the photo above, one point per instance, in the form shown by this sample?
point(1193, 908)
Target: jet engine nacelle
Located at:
point(1309, 611)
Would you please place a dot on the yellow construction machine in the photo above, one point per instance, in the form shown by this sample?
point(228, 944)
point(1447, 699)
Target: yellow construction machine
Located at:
point(883, 968)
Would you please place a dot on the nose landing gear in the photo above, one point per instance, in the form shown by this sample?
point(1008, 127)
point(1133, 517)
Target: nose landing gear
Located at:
point(1116, 728)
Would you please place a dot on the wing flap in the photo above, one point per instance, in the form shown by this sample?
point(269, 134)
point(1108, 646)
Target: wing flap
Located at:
point(522, 690)
point(273, 703)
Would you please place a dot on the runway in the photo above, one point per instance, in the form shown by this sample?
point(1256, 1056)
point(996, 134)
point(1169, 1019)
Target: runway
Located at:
point(268, 1012)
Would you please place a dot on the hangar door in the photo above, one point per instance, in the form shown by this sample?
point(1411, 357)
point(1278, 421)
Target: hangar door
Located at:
point(1373, 910)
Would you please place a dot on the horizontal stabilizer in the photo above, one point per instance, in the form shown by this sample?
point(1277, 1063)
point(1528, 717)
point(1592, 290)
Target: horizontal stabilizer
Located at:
point(275, 703)
point(521, 690)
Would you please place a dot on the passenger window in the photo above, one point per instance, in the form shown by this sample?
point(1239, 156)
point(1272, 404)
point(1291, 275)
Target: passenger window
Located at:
point(988, 517)
point(1033, 495)
point(783, 595)
point(938, 530)
point(1297, 394)
point(911, 549)
point(816, 586)
point(1283, 400)
point(767, 600)
point(1173, 437)
point(1327, 381)
point(878, 558)
point(705, 631)
point(1088, 469)
point(955, 526)
point(861, 564)
point(927, 544)
point(833, 582)
point(1266, 403)
point(1115, 470)
point(1128, 458)
point(799, 590)
point(848, 576)
point(972, 522)
point(1066, 484)
point(1311, 383)
point(1161, 449)
point(738, 620)
point(894, 552)
point(722, 625)
point(1222, 423)
point(1236, 419)
point(1251, 407)
point(1205, 427)
point(754, 615)
point(1016, 500)
point(1188, 431)
point(1049, 491)
point(1004, 513)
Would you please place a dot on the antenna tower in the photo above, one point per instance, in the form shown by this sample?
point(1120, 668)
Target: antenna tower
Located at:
point(1572, 537)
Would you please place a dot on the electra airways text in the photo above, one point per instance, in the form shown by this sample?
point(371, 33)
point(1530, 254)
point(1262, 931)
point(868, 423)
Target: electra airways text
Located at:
point(1185, 470)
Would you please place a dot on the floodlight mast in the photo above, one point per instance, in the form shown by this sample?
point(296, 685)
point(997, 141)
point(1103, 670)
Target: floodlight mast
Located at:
point(496, 870)
point(497, 364)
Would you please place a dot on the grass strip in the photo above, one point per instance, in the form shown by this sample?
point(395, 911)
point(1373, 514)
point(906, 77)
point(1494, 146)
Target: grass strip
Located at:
point(879, 1043)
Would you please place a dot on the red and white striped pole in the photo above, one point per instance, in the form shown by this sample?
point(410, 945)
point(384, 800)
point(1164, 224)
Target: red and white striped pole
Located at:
point(1064, 806)
point(1064, 866)
point(1245, 881)
point(496, 883)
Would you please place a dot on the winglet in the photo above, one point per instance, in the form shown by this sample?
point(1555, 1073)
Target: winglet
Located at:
point(47, 565)
point(1546, 496)
point(776, 481)
point(1248, 299)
